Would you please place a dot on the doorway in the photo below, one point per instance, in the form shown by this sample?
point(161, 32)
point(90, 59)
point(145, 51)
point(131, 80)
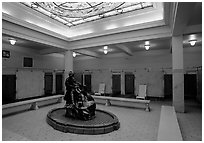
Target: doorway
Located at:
point(190, 86)
point(168, 91)
point(116, 84)
point(8, 89)
point(129, 84)
point(59, 84)
point(87, 82)
point(48, 83)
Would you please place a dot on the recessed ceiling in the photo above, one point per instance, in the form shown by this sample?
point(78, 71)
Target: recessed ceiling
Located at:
point(76, 23)
point(135, 46)
point(74, 13)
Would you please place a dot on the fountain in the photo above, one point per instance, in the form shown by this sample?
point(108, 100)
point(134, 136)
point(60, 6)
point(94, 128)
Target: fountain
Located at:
point(79, 115)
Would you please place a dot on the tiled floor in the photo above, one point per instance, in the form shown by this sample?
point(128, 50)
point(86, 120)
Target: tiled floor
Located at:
point(191, 122)
point(136, 125)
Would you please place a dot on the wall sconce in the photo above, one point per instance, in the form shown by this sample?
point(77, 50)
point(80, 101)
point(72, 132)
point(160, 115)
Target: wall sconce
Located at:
point(74, 54)
point(192, 42)
point(12, 41)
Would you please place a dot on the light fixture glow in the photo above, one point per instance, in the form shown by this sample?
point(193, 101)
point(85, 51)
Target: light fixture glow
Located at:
point(146, 42)
point(105, 47)
point(74, 54)
point(147, 47)
point(12, 41)
point(192, 42)
point(105, 51)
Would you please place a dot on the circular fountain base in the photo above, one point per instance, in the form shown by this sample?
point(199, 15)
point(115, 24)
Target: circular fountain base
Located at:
point(104, 122)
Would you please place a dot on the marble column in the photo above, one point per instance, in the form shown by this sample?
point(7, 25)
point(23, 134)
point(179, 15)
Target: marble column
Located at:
point(135, 84)
point(68, 65)
point(123, 83)
point(178, 73)
point(54, 83)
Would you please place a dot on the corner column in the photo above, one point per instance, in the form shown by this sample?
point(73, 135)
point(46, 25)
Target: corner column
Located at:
point(68, 65)
point(123, 83)
point(178, 73)
point(54, 83)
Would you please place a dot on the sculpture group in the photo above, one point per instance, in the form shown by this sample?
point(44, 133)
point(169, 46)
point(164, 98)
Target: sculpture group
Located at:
point(79, 103)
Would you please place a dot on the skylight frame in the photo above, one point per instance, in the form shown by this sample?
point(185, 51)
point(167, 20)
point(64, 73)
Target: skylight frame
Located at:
point(53, 11)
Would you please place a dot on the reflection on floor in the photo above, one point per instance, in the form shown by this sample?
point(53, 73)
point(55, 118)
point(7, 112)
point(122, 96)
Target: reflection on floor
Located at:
point(191, 121)
point(136, 124)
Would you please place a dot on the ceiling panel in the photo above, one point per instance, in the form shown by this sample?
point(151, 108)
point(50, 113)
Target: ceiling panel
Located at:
point(197, 15)
point(74, 13)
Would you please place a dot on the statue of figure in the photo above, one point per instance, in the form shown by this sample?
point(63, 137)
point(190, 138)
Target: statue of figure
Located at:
point(79, 103)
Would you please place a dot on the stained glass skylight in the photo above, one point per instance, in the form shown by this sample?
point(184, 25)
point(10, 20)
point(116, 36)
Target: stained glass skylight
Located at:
point(75, 13)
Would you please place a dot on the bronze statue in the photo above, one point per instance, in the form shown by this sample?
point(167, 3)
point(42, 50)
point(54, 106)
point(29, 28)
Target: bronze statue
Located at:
point(79, 103)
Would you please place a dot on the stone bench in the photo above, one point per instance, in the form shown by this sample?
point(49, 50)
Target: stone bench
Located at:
point(128, 102)
point(168, 125)
point(32, 104)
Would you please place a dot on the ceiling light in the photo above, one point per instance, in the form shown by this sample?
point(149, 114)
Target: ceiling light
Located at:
point(147, 47)
point(192, 42)
point(74, 54)
point(105, 47)
point(12, 41)
point(105, 51)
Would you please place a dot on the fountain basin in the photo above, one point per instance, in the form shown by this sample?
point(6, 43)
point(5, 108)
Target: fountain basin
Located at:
point(104, 122)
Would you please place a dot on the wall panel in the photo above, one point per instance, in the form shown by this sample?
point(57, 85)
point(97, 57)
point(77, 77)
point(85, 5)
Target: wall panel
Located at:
point(29, 84)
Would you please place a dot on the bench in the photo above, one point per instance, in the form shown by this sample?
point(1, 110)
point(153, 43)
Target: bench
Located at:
point(128, 102)
point(168, 125)
point(32, 104)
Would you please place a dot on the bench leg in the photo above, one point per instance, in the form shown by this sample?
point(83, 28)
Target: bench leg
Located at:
point(60, 100)
point(108, 103)
point(34, 106)
point(147, 108)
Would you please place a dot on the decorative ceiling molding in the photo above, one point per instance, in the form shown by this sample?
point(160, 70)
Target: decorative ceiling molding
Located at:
point(14, 30)
point(25, 24)
point(134, 20)
point(140, 35)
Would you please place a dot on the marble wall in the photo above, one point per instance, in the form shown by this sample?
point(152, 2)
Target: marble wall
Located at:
point(148, 68)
